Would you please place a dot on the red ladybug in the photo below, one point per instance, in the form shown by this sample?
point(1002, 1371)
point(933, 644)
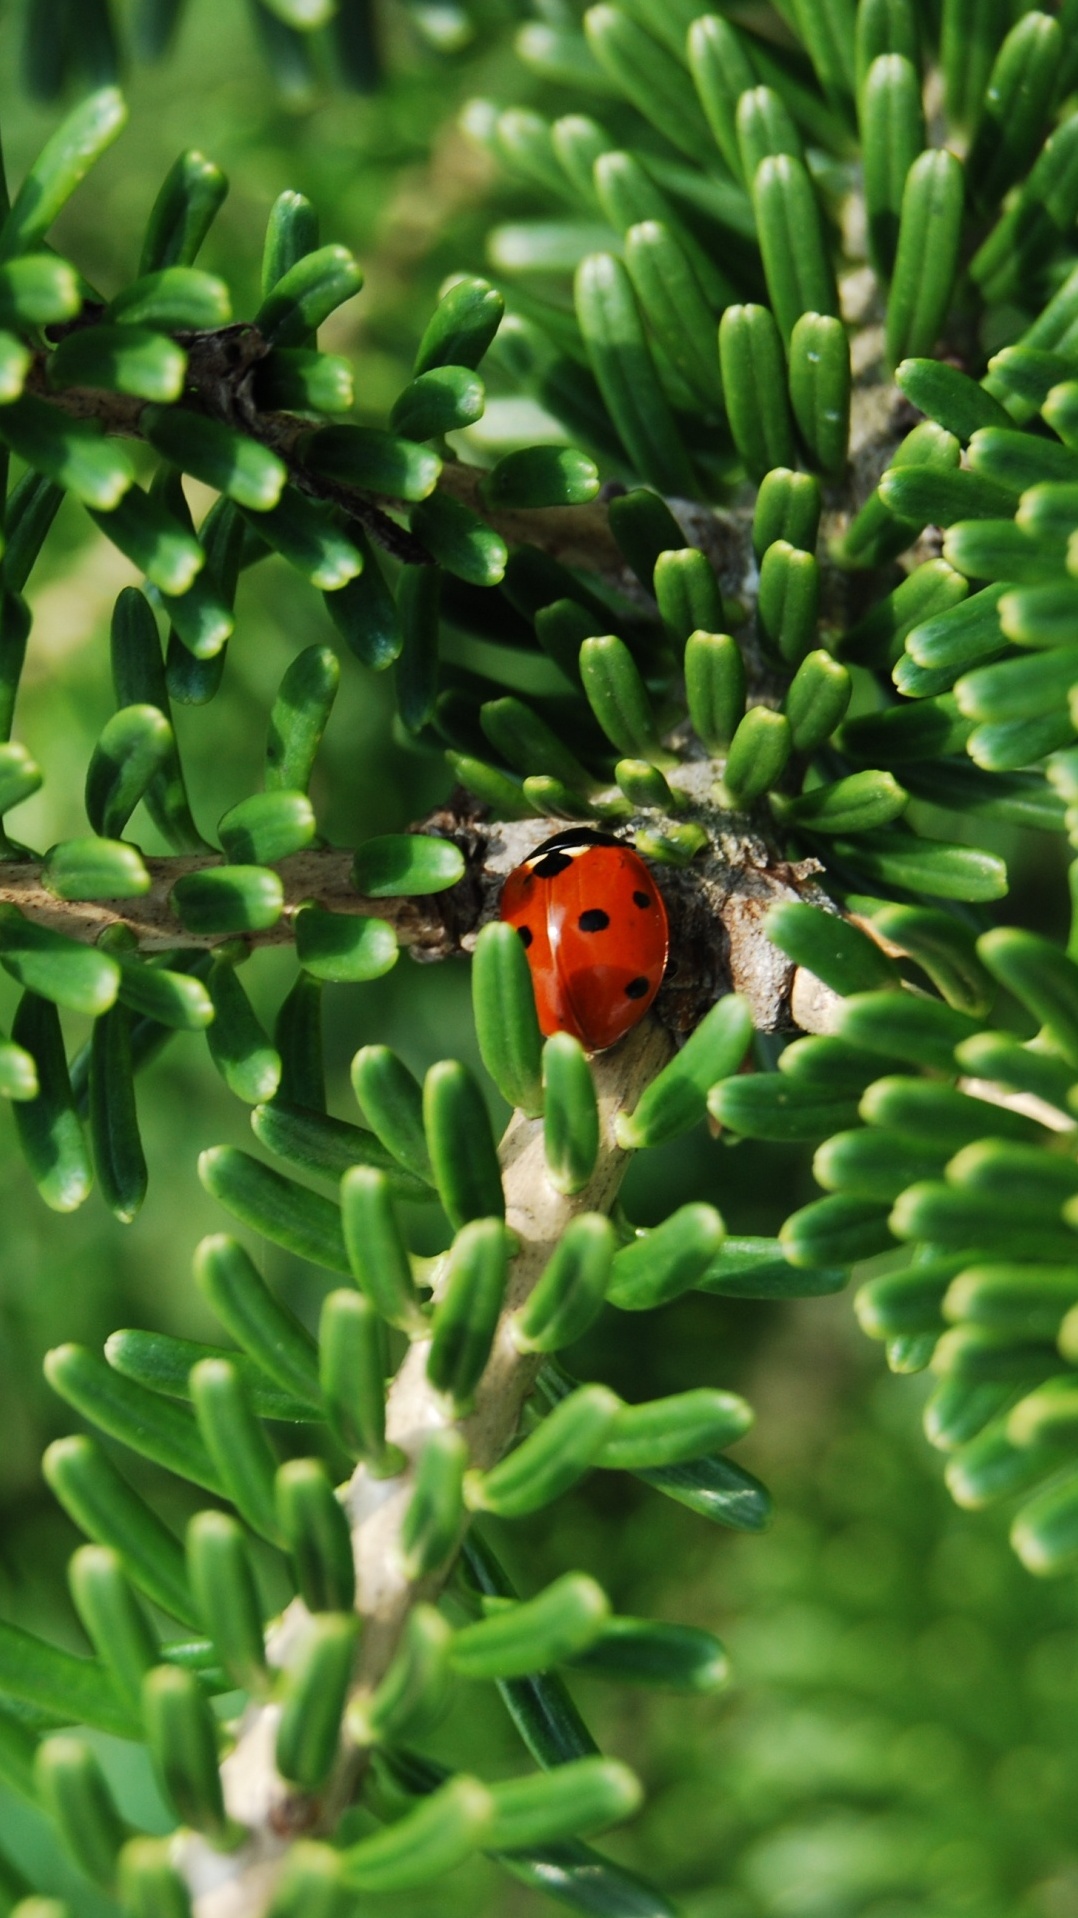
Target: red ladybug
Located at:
point(594, 927)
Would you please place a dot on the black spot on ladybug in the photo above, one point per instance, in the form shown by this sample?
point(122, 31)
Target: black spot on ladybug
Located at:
point(526, 936)
point(642, 899)
point(636, 988)
point(594, 920)
point(552, 864)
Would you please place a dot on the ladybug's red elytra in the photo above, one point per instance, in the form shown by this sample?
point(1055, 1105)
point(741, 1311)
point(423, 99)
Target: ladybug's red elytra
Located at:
point(594, 927)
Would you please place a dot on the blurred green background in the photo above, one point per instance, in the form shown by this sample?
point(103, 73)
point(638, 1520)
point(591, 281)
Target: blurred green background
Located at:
point(899, 1737)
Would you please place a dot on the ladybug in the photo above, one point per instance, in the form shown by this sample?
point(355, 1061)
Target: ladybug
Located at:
point(593, 924)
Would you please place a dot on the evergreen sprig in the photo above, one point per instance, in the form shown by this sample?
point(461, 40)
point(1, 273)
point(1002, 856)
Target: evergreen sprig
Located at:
point(729, 300)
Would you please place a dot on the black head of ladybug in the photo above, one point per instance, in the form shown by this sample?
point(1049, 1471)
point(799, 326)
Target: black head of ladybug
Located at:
point(555, 854)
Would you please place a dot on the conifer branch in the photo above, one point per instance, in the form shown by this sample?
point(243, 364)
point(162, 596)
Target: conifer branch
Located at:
point(222, 363)
point(240, 1884)
point(716, 904)
point(869, 491)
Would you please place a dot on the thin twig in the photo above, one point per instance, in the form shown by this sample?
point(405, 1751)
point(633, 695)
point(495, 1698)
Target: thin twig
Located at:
point(321, 876)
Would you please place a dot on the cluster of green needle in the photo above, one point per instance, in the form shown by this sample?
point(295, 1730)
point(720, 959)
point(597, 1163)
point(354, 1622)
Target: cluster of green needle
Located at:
point(963, 664)
point(675, 311)
point(199, 1412)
